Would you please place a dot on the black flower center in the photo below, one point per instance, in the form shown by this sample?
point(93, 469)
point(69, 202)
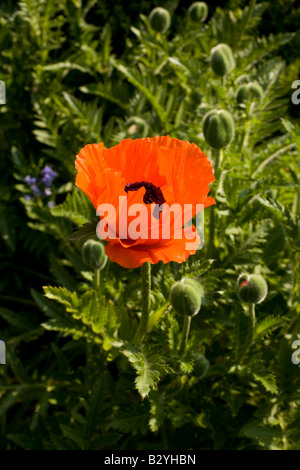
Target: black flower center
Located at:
point(153, 194)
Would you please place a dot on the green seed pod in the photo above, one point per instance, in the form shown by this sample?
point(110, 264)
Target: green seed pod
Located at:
point(256, 91)
point(185, 298)
point(201, 364)
point(252, 289)
point(93, 254)
point(198, 12)
point(195, 97)
point(221, 59)
point(193, 283)
point(137, 127)
point(218, 128)
point(250, 91)
point(242, 94)
point(160, 19)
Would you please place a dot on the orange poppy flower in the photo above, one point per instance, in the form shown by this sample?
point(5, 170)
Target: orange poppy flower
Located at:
point(156, 173)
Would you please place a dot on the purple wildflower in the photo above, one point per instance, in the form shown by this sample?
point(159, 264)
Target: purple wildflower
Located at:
point(30, 180)
point(36, 190)
point(48, 176)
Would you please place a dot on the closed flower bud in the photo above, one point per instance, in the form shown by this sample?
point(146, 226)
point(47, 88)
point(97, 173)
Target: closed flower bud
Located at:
point(93, 254)
point(252, 289)
point(137, 127)
point(201, 364)
point(195, 284)
point(160, 19)
point(186, 297)
point(218, 128)
point(242, 94)
point(198, 12)
point(250, 91)
point(221, 59)
point(196, 97)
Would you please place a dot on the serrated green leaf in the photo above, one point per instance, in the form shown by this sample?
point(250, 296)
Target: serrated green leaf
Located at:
point(255, 430)
point(267, 325)
point(137, 82)
point(149, 368)
point(100, 90)
point(76, 207)
point(266, 378)
point(63, 296)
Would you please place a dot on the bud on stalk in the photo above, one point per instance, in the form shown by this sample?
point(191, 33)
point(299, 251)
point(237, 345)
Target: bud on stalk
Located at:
point(252, 289)
point(93, 254)
point(198, 12)
point(250, 91)
point(218, 128)
point(221, 59)
point(160, 19)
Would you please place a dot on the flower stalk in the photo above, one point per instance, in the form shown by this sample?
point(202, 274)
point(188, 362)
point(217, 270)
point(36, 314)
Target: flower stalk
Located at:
point(97, 280)
point(218, 158)
point(146, 289)
point(218, 154)
point(252, 315)
point(186, 331)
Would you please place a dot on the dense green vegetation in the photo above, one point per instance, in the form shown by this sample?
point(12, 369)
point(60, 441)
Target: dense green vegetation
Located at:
point(79, 72)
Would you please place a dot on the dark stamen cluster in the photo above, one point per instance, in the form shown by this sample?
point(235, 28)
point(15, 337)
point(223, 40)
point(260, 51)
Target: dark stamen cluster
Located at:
point(152, 194)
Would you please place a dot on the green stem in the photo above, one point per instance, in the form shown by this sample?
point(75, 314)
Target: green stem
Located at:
point(186, 331)
point(244, 140)
point(211, 237)
point(87, 369)
point(218, 159)
point(247, 130)
point(211, 234)
point(200, 42)
point(283, 426)
point(252, 315)
point(97, 281)
point(146, 288)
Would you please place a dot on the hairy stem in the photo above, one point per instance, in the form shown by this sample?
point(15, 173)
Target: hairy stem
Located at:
point(97, 281)
point(211, 238)
point(252, 315)
point(186, 331)
point(146, 288)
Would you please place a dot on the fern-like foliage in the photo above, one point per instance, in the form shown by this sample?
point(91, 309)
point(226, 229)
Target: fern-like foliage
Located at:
point(75, 376)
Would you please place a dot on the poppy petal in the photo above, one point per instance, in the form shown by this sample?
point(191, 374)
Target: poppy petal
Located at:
point(177, 249)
